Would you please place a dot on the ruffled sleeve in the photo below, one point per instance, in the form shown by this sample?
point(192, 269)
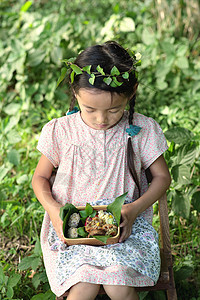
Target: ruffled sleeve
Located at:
point(48, 142)
point(153, 142)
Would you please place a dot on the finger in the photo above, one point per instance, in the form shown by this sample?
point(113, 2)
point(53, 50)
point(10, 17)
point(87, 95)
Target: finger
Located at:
point(62, 238)
point(124, 223)
point(123, 236)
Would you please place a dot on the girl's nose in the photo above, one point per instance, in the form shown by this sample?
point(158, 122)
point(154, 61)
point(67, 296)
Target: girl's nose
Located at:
point(101, 118)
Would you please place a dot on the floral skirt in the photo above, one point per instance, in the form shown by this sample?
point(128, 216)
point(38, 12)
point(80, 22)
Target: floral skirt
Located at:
point(135, 262)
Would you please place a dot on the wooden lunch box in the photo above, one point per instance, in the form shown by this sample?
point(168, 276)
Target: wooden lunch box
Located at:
point(93, 241)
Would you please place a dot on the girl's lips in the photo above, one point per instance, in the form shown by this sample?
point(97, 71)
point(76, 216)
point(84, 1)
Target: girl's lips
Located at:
point(102, 125)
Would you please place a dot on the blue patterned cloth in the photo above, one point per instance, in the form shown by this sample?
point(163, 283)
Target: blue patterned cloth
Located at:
point(133, 130)
point(75, 110)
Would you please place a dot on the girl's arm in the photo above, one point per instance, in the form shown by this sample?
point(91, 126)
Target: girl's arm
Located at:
point(160, 183)
point(42, 190)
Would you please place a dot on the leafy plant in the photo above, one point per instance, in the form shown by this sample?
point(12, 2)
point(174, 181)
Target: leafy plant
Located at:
point(34, 262)
point(184, 152)
point(35, 37)
point(7, 283)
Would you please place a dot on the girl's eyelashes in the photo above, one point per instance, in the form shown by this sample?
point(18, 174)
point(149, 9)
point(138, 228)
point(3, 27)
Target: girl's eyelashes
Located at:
point(110, 111)
point(89, 111)
point(114, 112)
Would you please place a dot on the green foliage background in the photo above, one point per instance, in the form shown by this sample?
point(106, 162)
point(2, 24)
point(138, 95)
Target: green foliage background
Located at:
point(35, 36)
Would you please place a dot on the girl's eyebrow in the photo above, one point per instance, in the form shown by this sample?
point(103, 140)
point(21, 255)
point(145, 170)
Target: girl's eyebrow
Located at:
point(95, 108)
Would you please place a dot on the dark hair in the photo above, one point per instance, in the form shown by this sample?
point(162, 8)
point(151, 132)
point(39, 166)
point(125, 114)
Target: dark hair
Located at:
point(108, 55)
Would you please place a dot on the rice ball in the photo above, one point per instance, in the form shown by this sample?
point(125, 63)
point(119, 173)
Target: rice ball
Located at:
point(72, 233)
point(74, 220)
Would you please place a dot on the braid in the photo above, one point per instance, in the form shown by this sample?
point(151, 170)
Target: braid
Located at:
point(131, 109)
point(72, 103)
point(130, 152)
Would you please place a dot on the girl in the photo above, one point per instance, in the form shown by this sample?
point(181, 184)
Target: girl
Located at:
point(101, 152)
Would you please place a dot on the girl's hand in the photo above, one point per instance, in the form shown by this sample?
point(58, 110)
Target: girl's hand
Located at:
point(129, 215)
point(57, 222)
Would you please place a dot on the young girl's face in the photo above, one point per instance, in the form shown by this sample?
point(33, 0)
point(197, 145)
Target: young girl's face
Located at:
point(99, 109)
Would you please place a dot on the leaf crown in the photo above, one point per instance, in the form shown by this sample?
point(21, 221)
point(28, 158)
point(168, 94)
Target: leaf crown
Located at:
point(111, 79)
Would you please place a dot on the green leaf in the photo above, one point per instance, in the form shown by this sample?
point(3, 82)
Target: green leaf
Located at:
point(76, 69)
point(127, 24)
point(117, 82)
point(36, 280)
point(161, 84)
point(186, 155)
point(37, 248)
point(178, 135)
point(83, 220)
point(39, 278)
point(181, 174)
point(181, 51)
point(14, 157)
point(3, 172)
point(13, 137)
point(10, 292)
point(116, 206)
point(182, 62)
point(13, 280)
point(72, 76)
point(113, 84)
point(36, 262)
point(148, 36)
point(68, 208)
point(181, 204)
point(22, 179)
point(162, 69)
point(56, 54)
point(25, 263)
point(83, 213)
point(82, 232)
point(13, 121)
point(65, 213)
point(12, 108)
point(92, 79)
point(26, 6)
point(100, 70)
point(125, 75)
point(107, 80)
point(138, 63)
point(62, 76)
point(196, 201)
point(47, 296)
point(88, 209)
point(36, 57)
point(2, 276)
point(93, 214)
point(39, 296)
point(184, 272)
point(114, 71)
point(69, 60)
point(143, 295)
point(102, 238)
point(87, 69)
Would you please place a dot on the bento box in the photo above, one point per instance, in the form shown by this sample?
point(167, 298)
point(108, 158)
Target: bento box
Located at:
point(92, 225)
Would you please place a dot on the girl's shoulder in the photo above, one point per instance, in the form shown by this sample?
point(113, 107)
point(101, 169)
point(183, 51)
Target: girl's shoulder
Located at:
point(149, 125)
point(63, 128)
point(144, 121)
point(64, 122)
